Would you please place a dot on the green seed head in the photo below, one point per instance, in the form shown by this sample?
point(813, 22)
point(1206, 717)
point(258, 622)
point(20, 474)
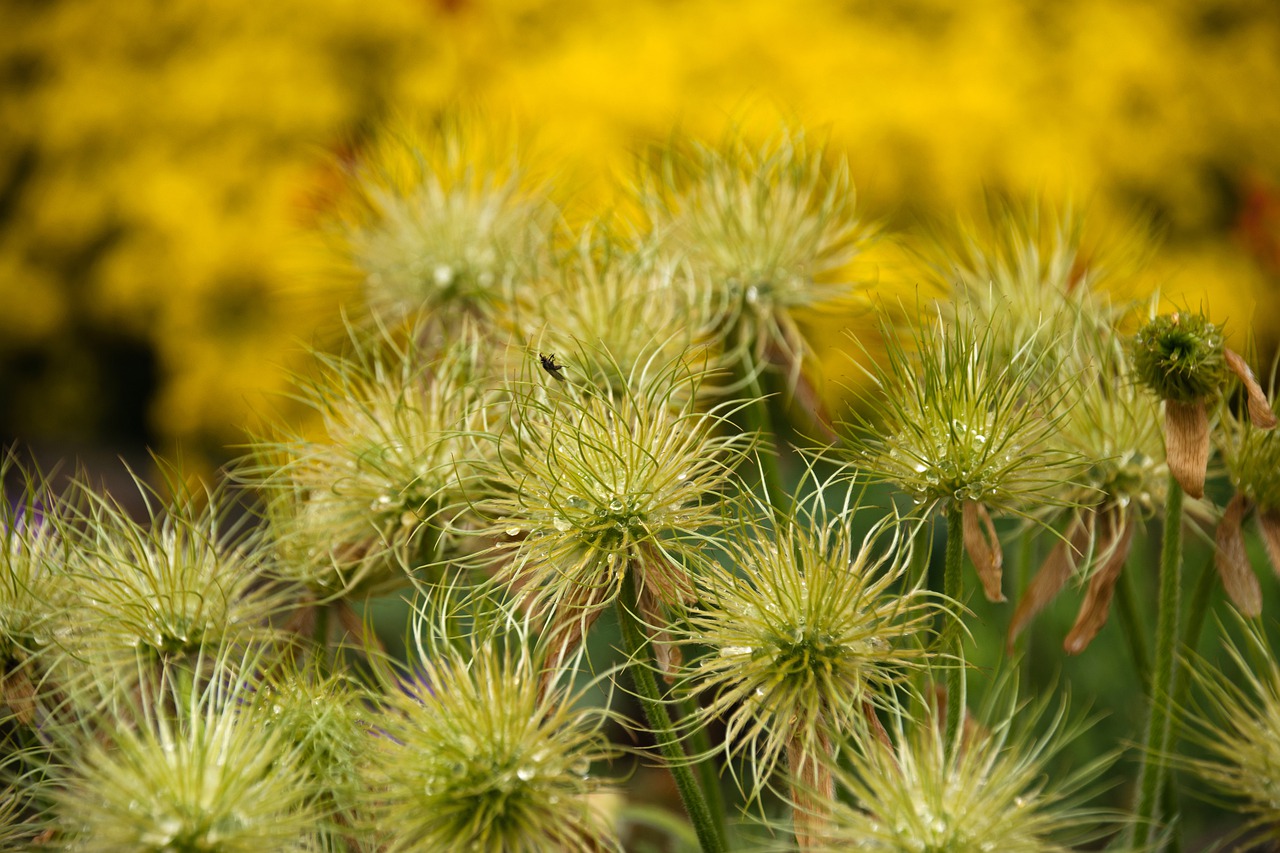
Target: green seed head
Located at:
point(1252, 456)
point(804, 631)
point(1113, 425)
point(1180, 357)
point(200, 770)
point(379, 494)
point(627, 307)
point(591, 483)
point(444, 221)
point(773, 228)
point(997, 791)
point(1235, 721)
point(482, 748)
point(188, 578)
point(951, 418)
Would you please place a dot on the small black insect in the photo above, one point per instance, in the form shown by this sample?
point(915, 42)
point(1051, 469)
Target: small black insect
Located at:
point(549, 365)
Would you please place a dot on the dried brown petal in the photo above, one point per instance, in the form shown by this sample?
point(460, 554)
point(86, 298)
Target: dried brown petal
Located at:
point(1052, 576)
point(1115, 534)
point(1260, 411)
point(813, 789)
point(572, 617)
point(17, 691)
point(1186, 442)
point(1232, 560)
point(984, 548)
point(1269, 522)
point(658, 576)
point(666, 652)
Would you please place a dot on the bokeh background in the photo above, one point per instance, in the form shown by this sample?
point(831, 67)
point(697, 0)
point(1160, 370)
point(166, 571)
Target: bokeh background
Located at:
point(162, 164)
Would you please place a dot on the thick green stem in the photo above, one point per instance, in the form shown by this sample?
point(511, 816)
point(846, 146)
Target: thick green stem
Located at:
point(639, 651)
point(1152, 780)
point(953, 634)
point(700, 744)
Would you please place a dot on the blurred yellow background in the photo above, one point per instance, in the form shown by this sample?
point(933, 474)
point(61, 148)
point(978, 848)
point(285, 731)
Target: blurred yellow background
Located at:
point(162, 162)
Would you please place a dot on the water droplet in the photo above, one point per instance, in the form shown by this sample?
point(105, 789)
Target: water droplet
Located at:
point(513, 531)
point(443, 275)
point(524, 774)
point(682, 476)
point(561, 524)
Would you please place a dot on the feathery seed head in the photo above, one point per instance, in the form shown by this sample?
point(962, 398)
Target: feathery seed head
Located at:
point(1236, 718)
point(592, 483)
point(325, 717)
point(1114, 426)
point(1031, 273)
point(386, 488)
point(444, 220)
point(629, 309)
point(1252, 457)
point(774, 228)
point(955, 420)
point(485, 748)
point(195, 768)
point(182, 580)
point(804, 631)
point(34, 585)
point(994, 792)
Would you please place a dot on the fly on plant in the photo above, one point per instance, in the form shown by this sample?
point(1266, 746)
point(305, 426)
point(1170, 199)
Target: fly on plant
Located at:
point(550, 366)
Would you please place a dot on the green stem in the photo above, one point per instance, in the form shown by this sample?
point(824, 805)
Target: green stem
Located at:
point(1152, 780)
point(700, 744)
point(639, 651)
point(953, 634)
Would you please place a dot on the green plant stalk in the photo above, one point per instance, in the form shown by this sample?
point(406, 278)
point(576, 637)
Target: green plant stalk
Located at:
point(1153, 777)
point(700, 744)
point(639, 651)
point(953, 632)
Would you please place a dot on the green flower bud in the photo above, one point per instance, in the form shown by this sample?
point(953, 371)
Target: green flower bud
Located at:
point(1181, 357)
